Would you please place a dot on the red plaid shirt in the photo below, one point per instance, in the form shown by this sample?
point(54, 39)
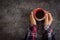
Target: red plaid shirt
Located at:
point(47, 34)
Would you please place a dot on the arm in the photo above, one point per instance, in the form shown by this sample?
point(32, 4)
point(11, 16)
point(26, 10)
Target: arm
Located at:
point(48, 33)
point(32, 33)
point(32, 30)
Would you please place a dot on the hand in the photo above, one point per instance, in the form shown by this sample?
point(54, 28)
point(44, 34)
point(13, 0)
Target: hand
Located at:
point(32, 20)
point(48, 18)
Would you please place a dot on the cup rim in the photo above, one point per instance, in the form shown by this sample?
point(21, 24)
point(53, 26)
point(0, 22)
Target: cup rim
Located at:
point(34, 13)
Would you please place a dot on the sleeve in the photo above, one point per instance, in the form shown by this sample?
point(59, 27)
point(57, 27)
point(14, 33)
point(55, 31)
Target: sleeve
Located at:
point(48, 33)
point(32, 33)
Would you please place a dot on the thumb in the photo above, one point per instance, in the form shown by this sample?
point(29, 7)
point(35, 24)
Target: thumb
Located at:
point(46, 20)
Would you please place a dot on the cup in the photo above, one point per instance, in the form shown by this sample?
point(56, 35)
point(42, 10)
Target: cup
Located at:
point(39, 14)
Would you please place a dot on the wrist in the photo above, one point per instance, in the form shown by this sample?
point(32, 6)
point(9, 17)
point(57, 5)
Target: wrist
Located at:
point(46, 27)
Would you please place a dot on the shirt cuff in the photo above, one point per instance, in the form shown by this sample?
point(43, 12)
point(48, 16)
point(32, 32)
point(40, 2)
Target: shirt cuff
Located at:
point(33, 28)
point(46, 27)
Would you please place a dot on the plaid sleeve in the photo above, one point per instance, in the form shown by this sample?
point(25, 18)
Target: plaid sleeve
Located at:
point(48, 33)
point(32, 33)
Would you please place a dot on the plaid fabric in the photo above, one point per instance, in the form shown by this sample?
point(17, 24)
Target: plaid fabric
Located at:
point(47, 34)
point(32, 33)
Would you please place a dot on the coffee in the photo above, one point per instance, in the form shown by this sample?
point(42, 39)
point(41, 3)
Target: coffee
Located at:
point(40, 14)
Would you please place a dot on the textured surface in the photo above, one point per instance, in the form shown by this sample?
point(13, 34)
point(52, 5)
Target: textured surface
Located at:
point(14, 17)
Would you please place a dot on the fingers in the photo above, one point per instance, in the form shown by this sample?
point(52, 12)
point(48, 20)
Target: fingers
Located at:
point(32, 20)
point(50, 18)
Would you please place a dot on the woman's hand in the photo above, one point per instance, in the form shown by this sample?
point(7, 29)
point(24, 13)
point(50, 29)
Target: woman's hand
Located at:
point(48, 18)
point(32, 20)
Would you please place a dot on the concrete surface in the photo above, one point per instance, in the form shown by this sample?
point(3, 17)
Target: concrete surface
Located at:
point(14, 17)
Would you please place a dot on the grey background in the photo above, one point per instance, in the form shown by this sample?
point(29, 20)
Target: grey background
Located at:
point(14, 17)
